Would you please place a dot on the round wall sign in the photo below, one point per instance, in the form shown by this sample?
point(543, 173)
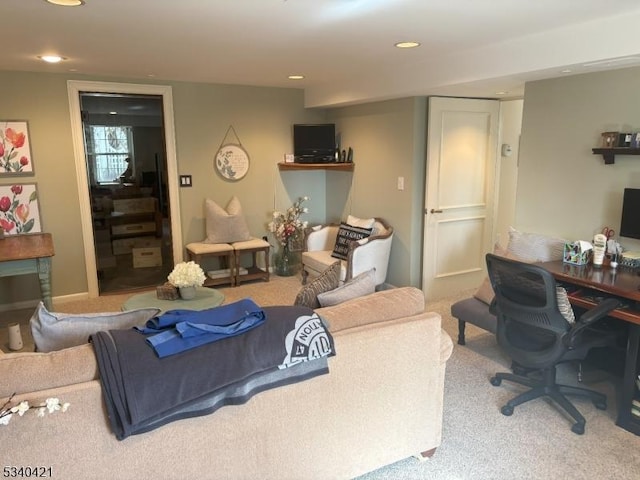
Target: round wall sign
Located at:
point(232, 162)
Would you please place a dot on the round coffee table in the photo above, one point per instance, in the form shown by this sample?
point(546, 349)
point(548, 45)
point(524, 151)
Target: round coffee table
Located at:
point(205, 298)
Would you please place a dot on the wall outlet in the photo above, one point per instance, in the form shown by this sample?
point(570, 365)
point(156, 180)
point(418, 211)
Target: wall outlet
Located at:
point(400, 183)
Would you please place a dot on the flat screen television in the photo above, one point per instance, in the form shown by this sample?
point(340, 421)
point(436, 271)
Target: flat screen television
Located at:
point(630, 223)
point(314, 142)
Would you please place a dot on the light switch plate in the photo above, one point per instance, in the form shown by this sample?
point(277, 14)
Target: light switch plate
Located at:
point(185, 181)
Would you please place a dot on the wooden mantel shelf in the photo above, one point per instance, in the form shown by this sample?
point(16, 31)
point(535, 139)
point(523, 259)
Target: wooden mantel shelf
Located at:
point(609, 154)
point(338, 166)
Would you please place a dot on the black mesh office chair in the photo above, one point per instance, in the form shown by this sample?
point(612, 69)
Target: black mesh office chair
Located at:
point(534, 333)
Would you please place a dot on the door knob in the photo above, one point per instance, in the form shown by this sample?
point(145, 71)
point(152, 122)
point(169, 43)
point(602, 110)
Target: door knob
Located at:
point(433, 210)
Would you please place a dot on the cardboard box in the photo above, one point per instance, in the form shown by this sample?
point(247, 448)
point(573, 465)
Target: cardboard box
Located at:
point(576, 253)
point(135, 205)
point(123, 246)
point(147, 257)
point(133, 228)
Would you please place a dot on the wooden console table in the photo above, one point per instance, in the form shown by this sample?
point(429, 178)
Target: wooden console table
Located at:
point(587, 283)
point(25, 254)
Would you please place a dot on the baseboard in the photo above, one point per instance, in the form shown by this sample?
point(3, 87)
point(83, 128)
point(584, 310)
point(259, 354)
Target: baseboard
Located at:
point(7, 307)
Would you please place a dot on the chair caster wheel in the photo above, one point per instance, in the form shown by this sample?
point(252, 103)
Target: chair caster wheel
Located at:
point(600, 405)
point(578, 428)
point(507, 410)
point(495, 381)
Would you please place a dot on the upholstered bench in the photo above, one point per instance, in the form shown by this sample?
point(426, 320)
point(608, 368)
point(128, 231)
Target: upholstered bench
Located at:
point(252, 247)
point(199, 251)
point(473, 311)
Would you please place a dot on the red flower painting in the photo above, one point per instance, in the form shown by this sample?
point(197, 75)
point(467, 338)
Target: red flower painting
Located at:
point(15, 153)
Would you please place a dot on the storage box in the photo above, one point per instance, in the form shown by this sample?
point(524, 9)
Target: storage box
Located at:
point(122, 246)
point(576, 253)
point(147, 257)
point(135, 205)
point(133, 228)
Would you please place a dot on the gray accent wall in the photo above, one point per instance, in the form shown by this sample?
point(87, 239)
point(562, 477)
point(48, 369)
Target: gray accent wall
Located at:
point(563, 188)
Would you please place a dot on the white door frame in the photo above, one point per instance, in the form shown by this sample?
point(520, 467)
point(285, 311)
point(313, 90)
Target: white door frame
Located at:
point(74, 88)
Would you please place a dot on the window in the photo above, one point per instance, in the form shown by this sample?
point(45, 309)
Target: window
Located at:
point(107, 150)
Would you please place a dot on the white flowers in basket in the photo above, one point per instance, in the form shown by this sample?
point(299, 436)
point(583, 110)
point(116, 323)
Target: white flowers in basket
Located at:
point(187, 274)
point(51, 405)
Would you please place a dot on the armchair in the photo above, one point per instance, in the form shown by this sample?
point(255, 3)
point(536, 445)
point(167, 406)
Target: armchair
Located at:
point(537, 329)
point(362, 255)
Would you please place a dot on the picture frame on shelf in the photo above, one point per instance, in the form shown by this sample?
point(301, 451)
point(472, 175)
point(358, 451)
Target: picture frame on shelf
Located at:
point(15, 149)
point(20, 209)
point(609, 139)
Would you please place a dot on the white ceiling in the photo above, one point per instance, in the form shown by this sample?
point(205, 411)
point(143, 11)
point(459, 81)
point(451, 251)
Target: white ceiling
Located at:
point(344, 48)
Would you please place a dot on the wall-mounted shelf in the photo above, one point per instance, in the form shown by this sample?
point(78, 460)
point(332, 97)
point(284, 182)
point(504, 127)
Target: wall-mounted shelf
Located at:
point(609, 154)
point(338, 166)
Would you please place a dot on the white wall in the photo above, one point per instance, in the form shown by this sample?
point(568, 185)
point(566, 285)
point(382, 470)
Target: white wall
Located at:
point(507, 175)
point(563, 189)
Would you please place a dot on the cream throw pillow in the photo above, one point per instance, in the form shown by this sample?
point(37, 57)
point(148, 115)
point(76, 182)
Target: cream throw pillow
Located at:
point(225, 226)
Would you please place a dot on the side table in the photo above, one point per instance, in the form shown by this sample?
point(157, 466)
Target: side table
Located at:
point(205, 298)
point(25, 254)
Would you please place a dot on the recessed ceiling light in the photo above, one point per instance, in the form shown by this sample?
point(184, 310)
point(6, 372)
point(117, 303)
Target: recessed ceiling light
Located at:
point(51, 58)
point(113, 113)
point(295, 77)
point(502, 92)
point(66, 3)
point(566, 70)
point(407, 44)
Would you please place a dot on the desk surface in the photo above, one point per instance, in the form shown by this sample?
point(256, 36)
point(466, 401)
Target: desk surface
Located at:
point(622, 282)
point(205, 298)
point(25, 247)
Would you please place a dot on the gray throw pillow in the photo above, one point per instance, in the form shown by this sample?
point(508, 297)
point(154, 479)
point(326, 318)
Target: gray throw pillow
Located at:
point(327, 280)
point(55, 331)
point(358, 286)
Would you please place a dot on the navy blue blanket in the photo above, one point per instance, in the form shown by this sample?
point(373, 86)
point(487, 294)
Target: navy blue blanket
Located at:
point(143, 392)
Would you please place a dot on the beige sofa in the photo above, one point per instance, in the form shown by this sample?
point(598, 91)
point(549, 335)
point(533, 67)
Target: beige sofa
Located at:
point(381, 402)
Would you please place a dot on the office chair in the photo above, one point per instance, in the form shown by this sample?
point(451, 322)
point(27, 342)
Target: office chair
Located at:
point(535, 334)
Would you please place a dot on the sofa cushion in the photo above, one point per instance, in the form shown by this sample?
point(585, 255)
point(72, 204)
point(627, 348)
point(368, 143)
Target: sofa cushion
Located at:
point(358, 286)
point(377, 307)
point(31, 371)
point(55, 331)
point(347, 234)
point(328, 280)
point(225, 226)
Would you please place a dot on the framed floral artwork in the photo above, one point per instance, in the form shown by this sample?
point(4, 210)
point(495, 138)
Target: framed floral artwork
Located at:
point(19, 209)
point(15, 148)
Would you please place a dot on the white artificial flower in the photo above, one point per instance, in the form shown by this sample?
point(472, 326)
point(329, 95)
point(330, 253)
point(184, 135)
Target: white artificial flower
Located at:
point(41, 411)
point(187, 274)
point(65, 407)
point(22, 408)
point(52, 404)
point(4, 420)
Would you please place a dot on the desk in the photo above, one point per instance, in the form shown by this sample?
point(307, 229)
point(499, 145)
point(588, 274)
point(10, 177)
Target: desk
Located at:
point(24, 254)
point(205, 298)
point(623, 284)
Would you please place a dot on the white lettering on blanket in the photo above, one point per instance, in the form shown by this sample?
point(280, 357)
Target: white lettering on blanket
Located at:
point(307, 341)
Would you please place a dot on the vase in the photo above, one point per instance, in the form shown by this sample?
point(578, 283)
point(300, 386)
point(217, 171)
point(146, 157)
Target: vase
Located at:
point(187, 293)
point(287, 261)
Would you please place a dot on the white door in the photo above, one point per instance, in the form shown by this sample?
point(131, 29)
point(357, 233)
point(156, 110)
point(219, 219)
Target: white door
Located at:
point(461, 161)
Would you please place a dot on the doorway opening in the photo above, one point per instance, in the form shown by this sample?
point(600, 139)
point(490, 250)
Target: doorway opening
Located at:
point(124, 144)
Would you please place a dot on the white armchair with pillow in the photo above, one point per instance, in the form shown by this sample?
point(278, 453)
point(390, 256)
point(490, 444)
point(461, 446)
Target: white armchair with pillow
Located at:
point(359, 244)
